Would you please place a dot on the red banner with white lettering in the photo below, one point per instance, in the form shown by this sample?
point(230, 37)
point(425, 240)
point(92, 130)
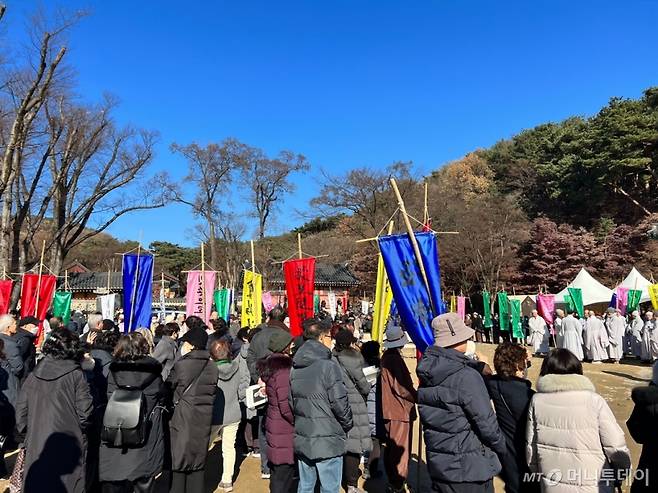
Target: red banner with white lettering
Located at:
point(5, 295)
point(300, 285)
point(31, 289)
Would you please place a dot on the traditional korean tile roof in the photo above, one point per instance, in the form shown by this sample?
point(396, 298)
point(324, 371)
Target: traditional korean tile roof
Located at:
point(90, 282)
point(326, 275)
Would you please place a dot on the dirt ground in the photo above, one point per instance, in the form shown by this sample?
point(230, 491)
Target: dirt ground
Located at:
point(613, 382)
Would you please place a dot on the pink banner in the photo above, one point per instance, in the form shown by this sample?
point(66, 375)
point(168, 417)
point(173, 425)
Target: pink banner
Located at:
point(622, 299)
point(200, 288)
point(546, 308)
point(461, 307)
point(268, 302)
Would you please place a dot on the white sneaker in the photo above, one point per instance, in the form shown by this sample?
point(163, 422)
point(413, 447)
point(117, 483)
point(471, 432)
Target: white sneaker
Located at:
point(265, 475)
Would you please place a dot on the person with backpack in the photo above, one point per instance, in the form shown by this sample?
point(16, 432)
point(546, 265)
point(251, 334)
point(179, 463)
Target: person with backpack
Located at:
point(231, 386)
point(131, 459)
point(193, 381)
point(53, 411)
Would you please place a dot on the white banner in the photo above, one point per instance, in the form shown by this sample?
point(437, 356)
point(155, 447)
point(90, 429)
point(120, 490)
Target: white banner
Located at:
point(365, 307)
point(108, 302)
point(333, 308)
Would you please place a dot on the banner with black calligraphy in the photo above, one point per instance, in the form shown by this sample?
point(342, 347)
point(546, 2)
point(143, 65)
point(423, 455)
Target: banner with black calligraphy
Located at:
point(252, 292)
point(300, 285)
point(199, 296)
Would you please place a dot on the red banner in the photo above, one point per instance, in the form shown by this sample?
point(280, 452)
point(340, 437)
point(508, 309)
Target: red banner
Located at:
point(29, 295)
point(5, 295)
point(300, 285)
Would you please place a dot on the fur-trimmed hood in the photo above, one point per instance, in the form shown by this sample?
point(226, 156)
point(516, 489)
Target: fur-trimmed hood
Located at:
point(564, 383)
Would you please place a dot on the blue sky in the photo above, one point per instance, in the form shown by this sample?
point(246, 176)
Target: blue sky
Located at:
point(350, 82)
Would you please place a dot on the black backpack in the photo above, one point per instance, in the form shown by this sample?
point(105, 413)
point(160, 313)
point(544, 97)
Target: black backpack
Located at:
point(126, 423)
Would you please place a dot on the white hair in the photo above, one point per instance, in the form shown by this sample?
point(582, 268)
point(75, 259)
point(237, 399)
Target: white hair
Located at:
point(6, 321)
point(93, 320)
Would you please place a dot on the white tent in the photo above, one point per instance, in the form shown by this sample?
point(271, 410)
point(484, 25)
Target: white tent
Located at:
point(593, 290)
point(635, 280)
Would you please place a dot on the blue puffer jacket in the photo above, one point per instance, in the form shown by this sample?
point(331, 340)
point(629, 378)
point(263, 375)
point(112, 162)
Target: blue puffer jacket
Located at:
point(461, 431)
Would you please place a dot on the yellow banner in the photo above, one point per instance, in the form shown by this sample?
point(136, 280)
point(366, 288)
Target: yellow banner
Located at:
point(453, 304)
point(252, 292)
point(383, 299)
point(653, 292)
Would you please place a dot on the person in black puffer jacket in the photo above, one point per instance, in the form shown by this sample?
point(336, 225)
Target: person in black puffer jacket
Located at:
point(323, 416)
point(642, 427)
point(358, 438)
point(193, 380)
point(125, 469)
point(462, 435)
point(511, 394)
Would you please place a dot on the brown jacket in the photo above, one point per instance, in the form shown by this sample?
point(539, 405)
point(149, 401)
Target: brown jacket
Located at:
point(397, 389)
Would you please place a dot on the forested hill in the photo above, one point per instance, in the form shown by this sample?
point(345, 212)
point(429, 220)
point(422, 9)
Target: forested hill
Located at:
point(531, 210)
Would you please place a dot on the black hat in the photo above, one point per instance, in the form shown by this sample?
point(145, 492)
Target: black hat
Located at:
point(344, 338)
point(28, 321)
point(197, 337)
point(279, 341)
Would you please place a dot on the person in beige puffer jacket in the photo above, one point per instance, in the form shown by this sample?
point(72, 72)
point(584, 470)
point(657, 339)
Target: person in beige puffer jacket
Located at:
point(572, 438)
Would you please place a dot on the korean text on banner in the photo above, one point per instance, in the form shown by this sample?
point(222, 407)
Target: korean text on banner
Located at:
point(517, 329)
point(461, 307)
point(5, 295)
point(409, 291)
point(252, 303)
point(62, 305)
point(31, 289)
point(546, 308)
point(634, 297)
point(300, 285)
point(577, 300)
point(108, 305)
point(223, 303)
point(486, 304)
point(383, 298)
point(503, 311)
point(137, 286)
point(622, 299)
point(198, 300)
point(333, 304)
point(653, 293)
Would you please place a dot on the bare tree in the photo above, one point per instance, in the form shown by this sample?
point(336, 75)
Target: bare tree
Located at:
point(268, 181)
point(210, 169)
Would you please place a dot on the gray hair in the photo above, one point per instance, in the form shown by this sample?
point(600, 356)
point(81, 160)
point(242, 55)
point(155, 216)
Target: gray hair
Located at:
point(6, 321)
point(93, 320)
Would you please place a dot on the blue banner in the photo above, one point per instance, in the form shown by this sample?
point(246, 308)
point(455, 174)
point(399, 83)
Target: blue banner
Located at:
point(137, 285)
point(409, 292)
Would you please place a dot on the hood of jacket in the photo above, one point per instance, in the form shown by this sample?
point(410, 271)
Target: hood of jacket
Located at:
point(273, 363)
point(439, 363)
point(226, 370)
point(52, 369)
point(139, 373)
point(564, 383)
point(278, 325)
point(310, 352)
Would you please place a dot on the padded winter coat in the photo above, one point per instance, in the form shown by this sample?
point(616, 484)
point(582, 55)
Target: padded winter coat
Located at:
point(572, 436)
point(358, 388)
point(319, 402)
point(280, 422)
point(461, 431)
point(642, 427)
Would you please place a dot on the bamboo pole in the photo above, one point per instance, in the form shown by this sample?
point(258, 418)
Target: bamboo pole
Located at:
point(134, 293)
point(375, 238)
point(426, 214)
point(253, 257)
point(66, 279)
point(36, 304)
point(299, 244)
point(203, 281)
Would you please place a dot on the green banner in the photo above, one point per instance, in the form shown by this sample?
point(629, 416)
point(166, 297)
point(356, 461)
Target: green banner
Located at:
point(486, 302)
point(503, 311)
point(576, 295)
point(221, 298)
point(634, 296)
point(316, 303)
point(62, 305)
point(517, 328)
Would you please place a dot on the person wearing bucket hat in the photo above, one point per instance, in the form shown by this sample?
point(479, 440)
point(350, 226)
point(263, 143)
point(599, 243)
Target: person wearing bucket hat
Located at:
point(398, 397)
point(462, 436)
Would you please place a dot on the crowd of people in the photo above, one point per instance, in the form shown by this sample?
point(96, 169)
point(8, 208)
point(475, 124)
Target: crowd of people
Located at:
point(94, 409)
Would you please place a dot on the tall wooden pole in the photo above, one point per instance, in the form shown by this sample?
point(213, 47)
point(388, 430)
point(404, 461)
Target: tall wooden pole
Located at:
point(299, 244)
point(66, 279)
point(414, 243)
point(253, 257)
point(36, 304)
point(134, 293)
point(203, 281)
point(426, 214)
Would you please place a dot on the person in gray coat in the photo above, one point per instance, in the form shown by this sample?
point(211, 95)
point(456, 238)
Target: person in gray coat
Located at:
point(358, 388)
point(323, 417)
point(167, 348)
point(231, 386)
